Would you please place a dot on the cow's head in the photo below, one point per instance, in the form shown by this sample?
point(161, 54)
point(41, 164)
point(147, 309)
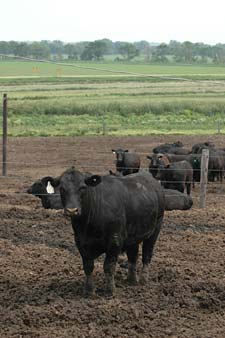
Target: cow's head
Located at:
point(178, 144)
point(41, 187)
point(117, 173)
point(162, 160)
point(37, 189)
point(196, 161)
point(120, 153)
point(73, 186)
point(152, 162)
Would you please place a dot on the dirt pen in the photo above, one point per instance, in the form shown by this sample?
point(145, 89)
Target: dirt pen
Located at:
point(41, 283)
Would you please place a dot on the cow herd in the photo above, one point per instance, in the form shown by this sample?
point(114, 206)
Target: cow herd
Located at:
point(115, 212)
point(176, 158)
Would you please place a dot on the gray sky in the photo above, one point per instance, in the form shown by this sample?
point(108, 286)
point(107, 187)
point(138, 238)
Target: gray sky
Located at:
point(117, 20)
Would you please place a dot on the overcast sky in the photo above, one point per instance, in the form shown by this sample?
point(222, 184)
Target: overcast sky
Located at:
point(117, 20)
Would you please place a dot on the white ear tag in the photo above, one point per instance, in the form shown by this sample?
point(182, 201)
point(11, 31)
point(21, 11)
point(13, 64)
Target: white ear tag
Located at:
point(49, 188)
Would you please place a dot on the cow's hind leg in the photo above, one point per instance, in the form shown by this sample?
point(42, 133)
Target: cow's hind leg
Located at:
point(147, 252)
point(132, 254)
point(88, 265)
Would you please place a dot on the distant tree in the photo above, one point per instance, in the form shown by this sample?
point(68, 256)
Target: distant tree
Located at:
point(71, 51)
point(22, 49)
point(12, 47)
point(219, 53)
point(174, 51)
point(39, 50)
point(4, 47)
point(94, 50)
point(128, 50)
point(144, 48)
point(188, 52)
point(56, 48)
point(202, 52)
point(141, 45)
point(183, 52)
point(109, 46)
point(160, 53)
point(80, 46)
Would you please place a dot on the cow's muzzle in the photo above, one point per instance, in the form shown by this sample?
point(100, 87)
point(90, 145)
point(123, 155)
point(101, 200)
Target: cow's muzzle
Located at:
point(72, 211)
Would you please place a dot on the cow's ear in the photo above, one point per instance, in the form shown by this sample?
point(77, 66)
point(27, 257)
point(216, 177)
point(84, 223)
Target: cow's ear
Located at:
point(93, 180)
point(54, 181)
point(126, 151)
point(149, 157)
point(47, 179)
point(113, 150)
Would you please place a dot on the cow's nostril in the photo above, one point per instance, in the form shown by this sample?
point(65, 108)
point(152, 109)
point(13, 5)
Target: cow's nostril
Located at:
point(72, 211)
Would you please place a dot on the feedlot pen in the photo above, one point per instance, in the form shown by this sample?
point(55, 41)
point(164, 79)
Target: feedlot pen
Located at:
point(41, 283)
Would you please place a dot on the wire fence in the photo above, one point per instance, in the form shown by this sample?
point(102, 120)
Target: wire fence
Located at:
point(104, 127)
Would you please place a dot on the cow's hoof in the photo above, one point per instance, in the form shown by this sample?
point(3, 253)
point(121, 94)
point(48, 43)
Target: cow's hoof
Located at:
point(89, 293)
point(124, 265)
point(132, 280)
point(109, 293)
point(143, 279)
point(110, 289)
point(89, 290)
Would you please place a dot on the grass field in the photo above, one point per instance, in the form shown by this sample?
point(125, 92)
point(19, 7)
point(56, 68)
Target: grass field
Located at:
point(49, 99)
point(36, 69)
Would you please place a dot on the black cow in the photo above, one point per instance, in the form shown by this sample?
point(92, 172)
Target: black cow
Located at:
point(167, 147)
point(177, 176)
point(180, 157)
point(126, 163)
point(198, 147)
point(176, 200)
point(112, 214)
point(179, 151)
point(50, 198)
point(195, 160)
point(155, 161)
point(216, 165)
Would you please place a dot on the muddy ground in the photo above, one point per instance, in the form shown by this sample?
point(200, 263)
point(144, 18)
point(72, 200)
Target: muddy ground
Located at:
point(41, 277)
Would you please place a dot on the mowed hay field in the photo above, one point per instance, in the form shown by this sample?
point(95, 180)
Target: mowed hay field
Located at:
point(41, 286)
point(68, 110)
point(113, 99)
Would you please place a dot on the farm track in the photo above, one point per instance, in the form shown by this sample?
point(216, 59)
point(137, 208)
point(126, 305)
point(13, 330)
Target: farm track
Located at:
point(41, 286)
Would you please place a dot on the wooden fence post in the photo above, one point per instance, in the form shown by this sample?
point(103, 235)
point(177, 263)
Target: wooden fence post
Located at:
point(204, 177)
point(4, 136)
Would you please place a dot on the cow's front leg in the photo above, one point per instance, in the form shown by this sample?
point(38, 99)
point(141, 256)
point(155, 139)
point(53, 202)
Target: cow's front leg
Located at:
point(112, 253)
point(88, 265)
point(109, 270)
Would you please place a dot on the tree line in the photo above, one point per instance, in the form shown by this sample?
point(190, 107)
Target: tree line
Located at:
point(174, 51)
